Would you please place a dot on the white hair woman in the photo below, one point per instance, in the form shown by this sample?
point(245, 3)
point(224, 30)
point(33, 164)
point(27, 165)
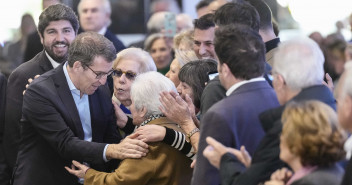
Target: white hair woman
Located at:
point(156, 167)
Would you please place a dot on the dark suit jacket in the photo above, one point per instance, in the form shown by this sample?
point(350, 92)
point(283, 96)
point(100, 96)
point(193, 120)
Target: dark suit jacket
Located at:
point(52, 133)
point(4, 170)
point(266, 159)
point(233, 121)
point(347, 178)
point(118, 46)
point(17, 84)
point(331, 175)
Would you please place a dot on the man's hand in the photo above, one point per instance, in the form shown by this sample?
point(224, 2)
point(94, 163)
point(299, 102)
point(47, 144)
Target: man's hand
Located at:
point(150, 133)
point(77, 169)
point(120, 116)
point(242, 155)
point(30, 80)
point(130, 147)
point(214, 151)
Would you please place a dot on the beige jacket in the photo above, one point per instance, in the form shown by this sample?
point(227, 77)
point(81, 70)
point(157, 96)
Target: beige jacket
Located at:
point(163, 165)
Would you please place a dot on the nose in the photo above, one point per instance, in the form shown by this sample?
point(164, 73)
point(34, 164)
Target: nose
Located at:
point(59, 36)
point(179, 89)
point(122, 79)
point(167, 74)
point(103, 79)
point(202, 49)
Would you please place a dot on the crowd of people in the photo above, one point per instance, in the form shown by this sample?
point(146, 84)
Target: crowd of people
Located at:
point(223, 101)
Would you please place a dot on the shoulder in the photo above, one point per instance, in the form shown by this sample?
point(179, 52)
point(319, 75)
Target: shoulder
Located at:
point(323, 176)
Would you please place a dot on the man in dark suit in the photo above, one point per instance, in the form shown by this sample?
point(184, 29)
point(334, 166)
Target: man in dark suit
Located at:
point(94, 15)
point(234, 120)
point(68, 115)
point(4, 169)
point(57, 30)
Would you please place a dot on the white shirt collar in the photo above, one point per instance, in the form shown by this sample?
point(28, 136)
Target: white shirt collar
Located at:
point(237, 85)
point(103, 30)
point(52, 61)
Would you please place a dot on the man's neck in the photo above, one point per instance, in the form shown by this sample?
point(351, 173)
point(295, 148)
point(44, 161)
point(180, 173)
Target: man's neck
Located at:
point(267, 35)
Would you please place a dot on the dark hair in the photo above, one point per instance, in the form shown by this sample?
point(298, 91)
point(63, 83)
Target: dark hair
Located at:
point(205, 22)
point(89, 45)
point(264, 12)
point(237, 13)
point(202, 4)
point(242, 49)
point(195, 74)
point(57, 12)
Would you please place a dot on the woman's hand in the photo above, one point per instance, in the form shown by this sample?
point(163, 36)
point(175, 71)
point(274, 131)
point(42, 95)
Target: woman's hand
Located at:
point(120, 116)
point(150, 133)
point(279, 177)
point(77, 169)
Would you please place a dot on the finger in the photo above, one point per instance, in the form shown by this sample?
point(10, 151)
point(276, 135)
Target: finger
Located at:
point(24, 92)
point(36, 76)
point(70, 170)
point(193, 164)
point(215, 144)
point(245, 154)
point(207, 151)
point(189, 100)
point(173, 94)
point(135, 142)
point(30, 80)
point(77, 164)
point(133, 135)
point(328, 77)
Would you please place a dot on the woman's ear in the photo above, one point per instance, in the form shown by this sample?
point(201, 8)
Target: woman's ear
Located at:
point(142, 112)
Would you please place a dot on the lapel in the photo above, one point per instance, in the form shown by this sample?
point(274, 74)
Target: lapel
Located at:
point(95, 113)
point(65, 95)
point(44, 62)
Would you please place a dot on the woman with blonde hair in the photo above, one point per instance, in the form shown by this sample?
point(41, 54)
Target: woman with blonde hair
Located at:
point(311, 143)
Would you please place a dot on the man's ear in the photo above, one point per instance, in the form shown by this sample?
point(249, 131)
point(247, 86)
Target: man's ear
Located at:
point(281, 81)
point(226, 71)
point(77, 65)
point(41, 38)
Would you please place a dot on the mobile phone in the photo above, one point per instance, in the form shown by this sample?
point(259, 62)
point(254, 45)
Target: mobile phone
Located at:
point(170, 25)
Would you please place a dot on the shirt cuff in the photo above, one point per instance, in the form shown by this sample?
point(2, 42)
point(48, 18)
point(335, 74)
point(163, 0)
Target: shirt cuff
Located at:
point(104, 154)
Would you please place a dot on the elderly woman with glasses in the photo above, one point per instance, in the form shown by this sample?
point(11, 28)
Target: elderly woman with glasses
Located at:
point(128, 64)
point(163, 164)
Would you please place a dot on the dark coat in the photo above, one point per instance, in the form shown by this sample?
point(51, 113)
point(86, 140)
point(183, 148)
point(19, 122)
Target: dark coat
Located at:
point(234, 122)
point(52, 133)
point(14, 98)
point(266, 159)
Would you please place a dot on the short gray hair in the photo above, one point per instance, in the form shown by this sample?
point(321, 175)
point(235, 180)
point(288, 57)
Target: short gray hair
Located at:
point(156, 22)
point(300, 62)
point(146, 89)
point(142, 57)
point(106, 6)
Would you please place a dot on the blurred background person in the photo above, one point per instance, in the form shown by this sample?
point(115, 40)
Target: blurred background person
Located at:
point(94, 15)
point(202, 7)
point(311, 143)
point(163, 164)
point(34, 46)
point(14, 51)
point(5, 172)
point(160, 51)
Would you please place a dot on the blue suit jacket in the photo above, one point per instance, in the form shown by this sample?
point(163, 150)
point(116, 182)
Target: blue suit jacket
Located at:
point(52, 133)
point(234, 122)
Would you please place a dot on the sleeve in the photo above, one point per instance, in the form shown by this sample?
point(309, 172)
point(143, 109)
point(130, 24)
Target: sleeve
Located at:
point(131, 171)
point(178, 141)
point(230, 168)
point(129, 127)
point(41, 111)
point(212, 93)
point(216, 126)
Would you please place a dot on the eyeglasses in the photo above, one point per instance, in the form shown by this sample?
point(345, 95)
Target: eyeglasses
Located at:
point(99, 75)
point(129, 74)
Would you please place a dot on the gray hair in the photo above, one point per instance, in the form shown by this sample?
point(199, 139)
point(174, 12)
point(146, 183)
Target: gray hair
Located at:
point(300, 62)
point(105, 4)
point(156, 22)
point(146, 89)
point(89, 45)
point(142, 57)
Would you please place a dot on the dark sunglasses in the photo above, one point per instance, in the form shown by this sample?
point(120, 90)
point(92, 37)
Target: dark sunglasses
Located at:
point(129, 74)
